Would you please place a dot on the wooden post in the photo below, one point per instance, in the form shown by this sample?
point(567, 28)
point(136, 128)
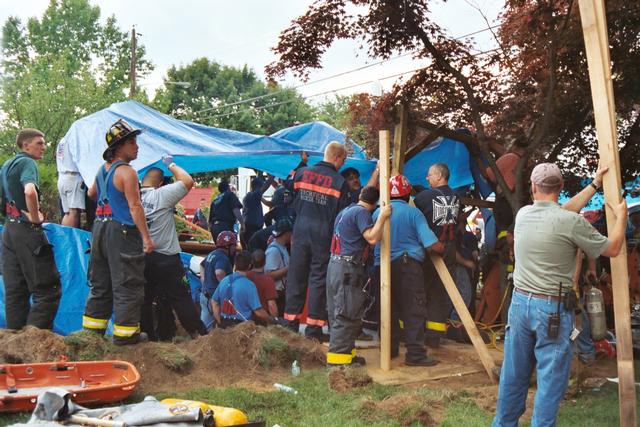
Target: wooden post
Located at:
point(385, 258)
point(399, 140)
point(465, 316)
point(594, 27)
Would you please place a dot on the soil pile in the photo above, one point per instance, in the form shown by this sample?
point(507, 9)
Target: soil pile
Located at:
point(30, 345)
point(343, 380)
point(246, 355)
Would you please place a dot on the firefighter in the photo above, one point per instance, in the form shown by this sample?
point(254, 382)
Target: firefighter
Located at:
point(353, 232)
point(440, 206)
point(28, 266)
point(120, 240)
point(320, 193)
point(215, 267)
point(410, 237)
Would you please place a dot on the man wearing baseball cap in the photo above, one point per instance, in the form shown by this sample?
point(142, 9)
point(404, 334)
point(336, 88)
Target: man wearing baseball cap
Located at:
point(410, 238)
point(120, 239)
point(539, 330)
point(277, 259)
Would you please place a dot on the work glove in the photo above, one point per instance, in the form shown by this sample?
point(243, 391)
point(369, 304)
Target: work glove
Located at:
point(167, 160)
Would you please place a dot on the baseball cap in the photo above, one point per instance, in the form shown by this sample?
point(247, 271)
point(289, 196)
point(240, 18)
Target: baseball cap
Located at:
point(547, 175)
point(282, 226)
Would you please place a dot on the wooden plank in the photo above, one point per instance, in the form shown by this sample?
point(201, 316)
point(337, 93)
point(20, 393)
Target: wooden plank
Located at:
point(194, 227)
point(385, 258)
point(594, 28)
point(465, 316)
point(472, 201)
point(400, 141)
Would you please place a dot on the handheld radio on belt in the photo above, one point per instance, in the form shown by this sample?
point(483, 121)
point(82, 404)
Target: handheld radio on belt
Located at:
point(554, 318)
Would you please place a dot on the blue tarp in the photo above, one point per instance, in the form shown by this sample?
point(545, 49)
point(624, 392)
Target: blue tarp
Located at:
point(72, 259)
point(209, 149)
point(315, 136)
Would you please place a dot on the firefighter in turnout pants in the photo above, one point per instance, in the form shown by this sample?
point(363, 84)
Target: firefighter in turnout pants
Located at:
point(439, 204)
point(320, 193)
point(120, 241)
point(354, 231)
point(28, 266)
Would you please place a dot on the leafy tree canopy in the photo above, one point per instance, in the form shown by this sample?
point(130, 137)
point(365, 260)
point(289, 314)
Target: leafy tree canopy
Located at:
point(207, 92)
point(534, 87)
point(60, 67)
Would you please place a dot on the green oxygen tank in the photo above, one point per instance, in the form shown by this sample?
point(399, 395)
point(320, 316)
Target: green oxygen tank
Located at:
point(595, 309)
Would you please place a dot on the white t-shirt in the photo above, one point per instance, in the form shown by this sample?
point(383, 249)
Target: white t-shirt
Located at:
point(64, 159)
point(276, 257)
point(158, 204)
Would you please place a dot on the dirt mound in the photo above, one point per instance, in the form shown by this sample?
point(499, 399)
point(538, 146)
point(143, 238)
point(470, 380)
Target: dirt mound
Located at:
point(408, 409)
point(343, 380)
point(30, 345)
point(246, 355)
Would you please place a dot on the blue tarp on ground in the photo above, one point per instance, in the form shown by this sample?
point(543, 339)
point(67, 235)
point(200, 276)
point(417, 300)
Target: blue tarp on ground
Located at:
point(72, 259)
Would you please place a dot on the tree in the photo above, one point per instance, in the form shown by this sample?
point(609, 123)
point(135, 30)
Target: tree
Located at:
point(61, 67)
point(535, 86)
point(216, 96)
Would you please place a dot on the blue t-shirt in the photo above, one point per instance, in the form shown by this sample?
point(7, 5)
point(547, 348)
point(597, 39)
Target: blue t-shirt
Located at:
point(238, 297)
point(440, 207)
point(350, 223)
point(253, 208)
point(216, 260)
point(410, 233)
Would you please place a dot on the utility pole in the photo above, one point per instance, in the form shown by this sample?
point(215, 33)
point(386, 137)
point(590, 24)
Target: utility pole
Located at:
point(132, 71)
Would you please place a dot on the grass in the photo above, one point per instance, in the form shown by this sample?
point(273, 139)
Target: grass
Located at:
point(276, 351)
point(172, 357)
point(85, 345)
point(317, 405)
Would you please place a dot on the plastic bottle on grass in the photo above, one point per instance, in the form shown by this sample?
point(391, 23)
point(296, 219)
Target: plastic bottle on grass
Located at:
point(295, 368)
point(285, 388)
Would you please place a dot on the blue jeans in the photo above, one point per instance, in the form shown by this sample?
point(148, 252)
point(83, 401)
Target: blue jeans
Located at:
point(584, 347)
point(206, 313)
point(527, 346)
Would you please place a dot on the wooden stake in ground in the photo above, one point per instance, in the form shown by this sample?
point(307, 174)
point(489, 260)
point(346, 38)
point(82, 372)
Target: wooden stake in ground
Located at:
point(594, 27)
point(385, 258)
point(400, 141)
point(465, 316)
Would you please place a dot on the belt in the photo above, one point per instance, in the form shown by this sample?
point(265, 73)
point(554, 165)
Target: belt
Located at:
point(347, 258)
point(70, 173)
point(540, 296)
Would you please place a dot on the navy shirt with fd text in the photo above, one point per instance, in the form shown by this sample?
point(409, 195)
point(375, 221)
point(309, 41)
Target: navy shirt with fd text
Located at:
point(347, 240)
point(320, 193)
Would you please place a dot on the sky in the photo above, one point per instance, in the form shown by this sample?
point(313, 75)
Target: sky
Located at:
point(242, 32)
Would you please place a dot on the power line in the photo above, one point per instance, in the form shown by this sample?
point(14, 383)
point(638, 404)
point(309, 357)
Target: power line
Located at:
point(255, 98)
point(329, 91)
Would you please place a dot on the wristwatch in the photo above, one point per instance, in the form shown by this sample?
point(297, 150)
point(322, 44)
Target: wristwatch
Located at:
point(595, 187)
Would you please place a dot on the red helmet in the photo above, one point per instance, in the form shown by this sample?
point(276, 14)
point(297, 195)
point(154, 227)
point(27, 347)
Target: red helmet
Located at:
point(399, 185)
point(225, 239)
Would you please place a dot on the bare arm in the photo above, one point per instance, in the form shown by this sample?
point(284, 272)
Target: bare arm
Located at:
point(262, 314)
point(127, 179)
point(616, 236)
point(220, 274)
point(437, 247)
point(278, 274)
point(181, 175)
point(93, 191)
point(581, 199)
point(215, 307)
point(202, 274)
point(374, 234)
point(273, 307)
point(374, 179)
point(33, 207)
point(465, 262)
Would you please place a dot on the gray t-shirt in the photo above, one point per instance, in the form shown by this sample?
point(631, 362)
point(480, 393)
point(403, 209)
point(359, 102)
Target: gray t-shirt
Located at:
point(546, 240)
point(158, 204)
point(277, 257)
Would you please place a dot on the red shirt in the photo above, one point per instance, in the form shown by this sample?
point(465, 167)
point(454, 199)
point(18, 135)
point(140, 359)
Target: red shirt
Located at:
point(265, 286)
